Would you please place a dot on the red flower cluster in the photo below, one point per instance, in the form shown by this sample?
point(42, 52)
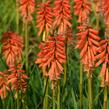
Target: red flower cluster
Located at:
point(44, 18)
point(4, 86)
point(27, 7)
point(12, 79)
point(12, 48)
point(17, 78)
point(52, 56)
point(62, 15)
point(87, 36)
point(106, 11)
point(82, 8)
point(87, 43)
point(103, 58)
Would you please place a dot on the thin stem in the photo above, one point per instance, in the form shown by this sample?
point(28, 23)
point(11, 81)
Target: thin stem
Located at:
point(54, 99)
point(18, 105)
point(44, 36)
point(3, 104)
point(97, 21)
point(17, 30)
point(58, 97)
point(45, 101)
point(81, 86)
point(105, 98)
point(65, 65)
point(46, 83)
point(17, 16)
point(90, 96)
point(26, 45)
point(65, 73)
point(43, 1)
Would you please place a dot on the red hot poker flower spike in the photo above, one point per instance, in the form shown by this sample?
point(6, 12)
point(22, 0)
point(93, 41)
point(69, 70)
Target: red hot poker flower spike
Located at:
point(27, 7)
point(4, 86)
point(106, 11)
point(17, 78)
point(103, 58)
point(62, 15)
point(12, 48)
point(87, 43)
point(82, 8)
point(52, 56)
point(44, 18)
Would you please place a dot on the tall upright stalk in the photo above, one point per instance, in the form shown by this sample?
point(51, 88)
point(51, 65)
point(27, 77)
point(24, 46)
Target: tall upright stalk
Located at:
point(58, 96)
point(45, 101)
point(65, 74)
point(81, 86)
point(26, 46)
point(17, 16)
point(46, 82)
point(18, 101)
point(17, 30)
point(65, 65)
point(54, 97)
point(97, 21)
point(105, 98)
point(90, 96)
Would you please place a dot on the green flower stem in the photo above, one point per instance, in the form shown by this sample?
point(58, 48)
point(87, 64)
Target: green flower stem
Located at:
point(45, 101)
point(3, 104)
point(46, 81)
point(17, 16)
point(43, 1)
point(26, 45)
point(54, 97)
point(105, 98)
point(81, 86)
point(17, 30)
point(58, 96)
point(18, 102)
point(65, 65)
point(65, 73)
point(90, 96)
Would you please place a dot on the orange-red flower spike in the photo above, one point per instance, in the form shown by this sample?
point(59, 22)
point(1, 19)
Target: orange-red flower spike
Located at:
point(12, 48)
point(44, 18)
point(88, 41)
point(52, 56)
point(17, 78)
point(106, 11)
point(27, 8)
point(103, 58)
point(82, 8)
point(4, 86)
point(62, 15)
